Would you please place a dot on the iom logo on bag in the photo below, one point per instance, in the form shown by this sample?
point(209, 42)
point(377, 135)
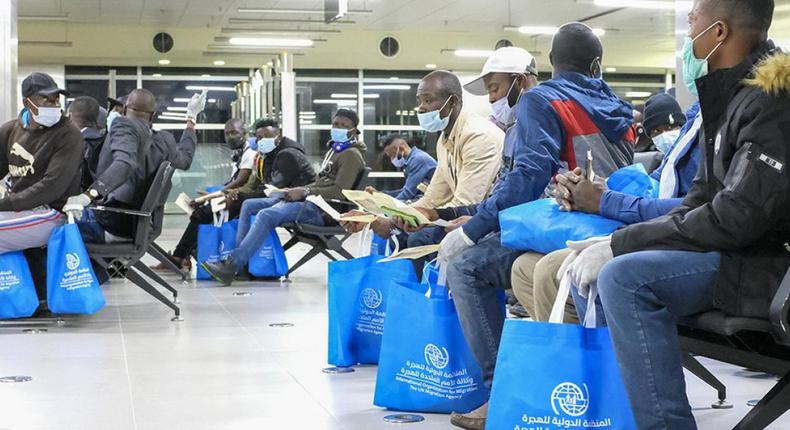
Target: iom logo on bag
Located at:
point(438, 358)
point(72, 261)
point(570, 399)
point(371, 298)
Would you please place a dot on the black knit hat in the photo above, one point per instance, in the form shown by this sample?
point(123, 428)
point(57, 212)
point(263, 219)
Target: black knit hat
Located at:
point(662, 109)
point(348, 113)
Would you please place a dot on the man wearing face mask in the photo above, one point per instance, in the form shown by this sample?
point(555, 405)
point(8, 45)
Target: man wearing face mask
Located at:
point(725, 247)
point(534, 275)
point(663, 121)
point(418, 167)
point(557, 123)
point(122, 175)
point(40, 154)
point(342, 166)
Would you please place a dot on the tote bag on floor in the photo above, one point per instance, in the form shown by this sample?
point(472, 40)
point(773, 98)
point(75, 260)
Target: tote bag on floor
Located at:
point(18, 297)
point(358, 293)
point(72, 287)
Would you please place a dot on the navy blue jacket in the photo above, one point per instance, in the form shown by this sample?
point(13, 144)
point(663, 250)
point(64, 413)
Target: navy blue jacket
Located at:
point(419, 168)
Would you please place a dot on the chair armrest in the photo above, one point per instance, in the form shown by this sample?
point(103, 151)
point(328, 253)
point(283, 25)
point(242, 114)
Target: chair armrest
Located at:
point(121, 211)
point(780, 311)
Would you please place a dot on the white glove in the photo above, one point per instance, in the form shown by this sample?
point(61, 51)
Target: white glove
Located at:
point(453, 244)
point(196, 105)
point(577, 246)
point(75, 205)
point(585, 269)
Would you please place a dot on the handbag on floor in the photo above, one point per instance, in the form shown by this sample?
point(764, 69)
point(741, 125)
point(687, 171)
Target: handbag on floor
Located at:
point(72, 287)
point(18, 297)
point(542, 227)
point(269, 261)
point(573, 380)
point(357, 299)
point(425, 363)
point(214, 242)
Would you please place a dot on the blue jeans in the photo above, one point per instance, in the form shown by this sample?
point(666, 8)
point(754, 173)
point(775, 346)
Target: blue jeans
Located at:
point(269, 213)
point(426, 236)
point(643, 294)
point(474, 278)
point(581, 308)
point(90, 229)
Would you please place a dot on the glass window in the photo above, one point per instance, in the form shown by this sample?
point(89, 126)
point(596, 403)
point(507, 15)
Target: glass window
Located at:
point(316, 103)
point(172, 97)
point(94, 88)
point(390, 104)
point(124, 86)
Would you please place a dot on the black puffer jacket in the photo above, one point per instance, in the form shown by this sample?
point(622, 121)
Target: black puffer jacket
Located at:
point(287, 166)
point(740, 202)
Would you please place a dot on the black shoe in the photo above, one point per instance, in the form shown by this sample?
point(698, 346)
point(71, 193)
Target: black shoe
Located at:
point(518, 310)
point(222, 271)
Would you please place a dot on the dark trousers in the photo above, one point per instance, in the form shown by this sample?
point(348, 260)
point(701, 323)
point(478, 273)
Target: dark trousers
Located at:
point(203, 215)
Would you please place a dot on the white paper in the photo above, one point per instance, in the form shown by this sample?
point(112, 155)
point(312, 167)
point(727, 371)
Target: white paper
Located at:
point(412, 253)
point(182, 201)
point(324, 206)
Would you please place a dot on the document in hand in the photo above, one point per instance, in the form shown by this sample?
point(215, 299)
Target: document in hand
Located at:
point(270, 189)
point(324, 206)
point(383, 205)
point(412, 253)
point(184, 203)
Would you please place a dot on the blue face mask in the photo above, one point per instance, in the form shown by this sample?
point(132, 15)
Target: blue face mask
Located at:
point(693, 67)
point(110, 118)
point(252, 143)
point(665, 141)
point(399, 160)
point(266, 145)
point(339, 135)
point(432, 122)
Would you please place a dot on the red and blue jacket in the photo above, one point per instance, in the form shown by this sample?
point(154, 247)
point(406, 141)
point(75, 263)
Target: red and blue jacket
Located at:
point(557, 123)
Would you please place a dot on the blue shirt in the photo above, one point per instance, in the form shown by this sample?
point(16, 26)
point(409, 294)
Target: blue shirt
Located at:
point(419, 168)
point(631, 210)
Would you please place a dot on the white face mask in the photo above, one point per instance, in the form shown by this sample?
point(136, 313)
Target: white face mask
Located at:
point(665, 141)
point(503, 112)
point(47, 116)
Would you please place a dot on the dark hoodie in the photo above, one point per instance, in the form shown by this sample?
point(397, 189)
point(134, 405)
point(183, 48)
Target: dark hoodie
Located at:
point(339, 171)
point(287, 166)
point(43, 165)
point(557, 123)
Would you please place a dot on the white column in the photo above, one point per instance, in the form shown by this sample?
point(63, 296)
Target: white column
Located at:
point(288, 94)
point(682, 93)
point(9, 43)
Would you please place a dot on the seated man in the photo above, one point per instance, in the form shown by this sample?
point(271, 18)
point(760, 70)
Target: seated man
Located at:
point(469, 151)
point(418, 167)
point(84, 113)
point(243, 158)
point(558, 122)
point(343, 165)
point(663, 121)
point(725, 246)
point(534, 276)
point(40, 155)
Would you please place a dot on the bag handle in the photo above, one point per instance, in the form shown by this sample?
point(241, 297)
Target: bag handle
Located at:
point(590, 318)
point(388, 251)
point(558, 310)
point(362, 239)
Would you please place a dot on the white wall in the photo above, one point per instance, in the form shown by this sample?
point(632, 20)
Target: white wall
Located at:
point(58, 73)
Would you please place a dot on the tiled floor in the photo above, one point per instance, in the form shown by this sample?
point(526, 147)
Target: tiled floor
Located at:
point(130, 368)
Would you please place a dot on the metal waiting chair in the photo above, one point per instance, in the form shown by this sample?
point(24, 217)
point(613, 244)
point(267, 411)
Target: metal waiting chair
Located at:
point(149, 226)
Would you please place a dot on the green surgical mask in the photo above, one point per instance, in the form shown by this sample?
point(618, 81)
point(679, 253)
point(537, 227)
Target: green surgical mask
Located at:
point(693, 67)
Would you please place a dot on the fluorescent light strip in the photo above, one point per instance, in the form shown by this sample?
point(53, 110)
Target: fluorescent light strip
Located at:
point(266, 41)
point(387, 87)
point(335, 102)
point(208, 88)
point(643, 4)
point(176, 109)
point(186, 100)
point(298, 11)
point(638, 94)
point(353, 96)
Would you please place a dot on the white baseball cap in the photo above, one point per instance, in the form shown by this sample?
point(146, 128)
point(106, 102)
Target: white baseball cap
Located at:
point(504, 60)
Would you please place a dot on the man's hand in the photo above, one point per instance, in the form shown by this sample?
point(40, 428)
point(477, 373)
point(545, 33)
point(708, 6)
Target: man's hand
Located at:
point(75, 205)
point(232, 195)
point(196, 105)
point(402, 225)
point(382, 227)
point(453, 244)
point(370, 190)
point(458, 223)
point(353, 227)
point(295, 195)
point(576, 192)
point(431, 214)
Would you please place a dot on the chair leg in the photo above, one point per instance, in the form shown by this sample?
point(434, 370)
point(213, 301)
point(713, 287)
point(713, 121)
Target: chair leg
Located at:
point(701, 372)
point(157, 252)
point(134, 276)
point(156, 278)
point(328, 255)
point(771, 407)
point(307, 257)
point(291, 242)
point(342, 251)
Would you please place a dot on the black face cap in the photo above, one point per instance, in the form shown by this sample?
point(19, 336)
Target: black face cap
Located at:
point(41, 84)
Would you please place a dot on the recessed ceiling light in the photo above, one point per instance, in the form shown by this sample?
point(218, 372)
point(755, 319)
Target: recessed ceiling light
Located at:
point(270, 41)
point(430, 66)
point(219, 63)
point(157, 75)
point(611, 69)
point(164, 62)
point(638, 94)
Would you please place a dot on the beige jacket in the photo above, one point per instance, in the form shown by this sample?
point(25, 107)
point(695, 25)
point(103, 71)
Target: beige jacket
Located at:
point(468, 162)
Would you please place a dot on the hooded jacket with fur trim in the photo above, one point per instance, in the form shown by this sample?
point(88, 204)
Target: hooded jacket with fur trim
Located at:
point(740, 203)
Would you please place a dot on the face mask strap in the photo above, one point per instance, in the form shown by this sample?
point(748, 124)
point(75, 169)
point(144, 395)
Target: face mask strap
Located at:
point(598, 75)
point(444, 105)
point(705, 31)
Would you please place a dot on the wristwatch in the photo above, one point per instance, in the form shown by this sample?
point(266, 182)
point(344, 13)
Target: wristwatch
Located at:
point(92, 193)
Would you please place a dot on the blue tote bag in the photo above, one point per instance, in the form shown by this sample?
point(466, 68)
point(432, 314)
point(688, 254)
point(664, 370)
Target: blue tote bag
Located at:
point(18, 297)
point(378, 246)
point(72, 287)
point(209, 238)
point(358, 293)
point(574, 380)
point(425, 363)
point(269, 261)
point(542, 227)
